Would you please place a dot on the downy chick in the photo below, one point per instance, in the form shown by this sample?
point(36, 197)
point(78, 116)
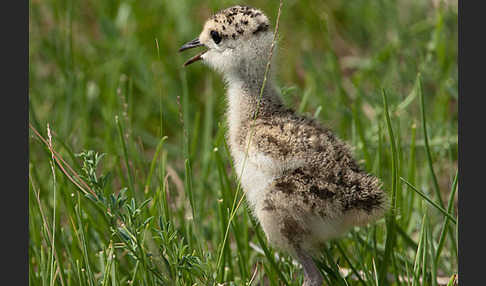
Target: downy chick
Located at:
point(299, 179)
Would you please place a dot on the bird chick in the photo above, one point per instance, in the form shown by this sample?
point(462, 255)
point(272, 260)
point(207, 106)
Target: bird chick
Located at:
point(299, 179)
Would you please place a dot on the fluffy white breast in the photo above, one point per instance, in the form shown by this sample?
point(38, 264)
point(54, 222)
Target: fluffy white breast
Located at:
point(252, 169)
point(254, 177)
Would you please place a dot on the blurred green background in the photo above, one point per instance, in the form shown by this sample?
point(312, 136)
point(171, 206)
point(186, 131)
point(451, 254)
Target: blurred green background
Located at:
point(107, 76)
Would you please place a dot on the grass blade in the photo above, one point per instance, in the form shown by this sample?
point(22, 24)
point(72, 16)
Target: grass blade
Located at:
point(390, 218)
point(424, 196)
point(152, 165)
point(426, 140)
point(443, 232)
point(125, 156)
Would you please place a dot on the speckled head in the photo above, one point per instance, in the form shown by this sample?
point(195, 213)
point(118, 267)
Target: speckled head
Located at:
point(231, 35)
point(235, 23)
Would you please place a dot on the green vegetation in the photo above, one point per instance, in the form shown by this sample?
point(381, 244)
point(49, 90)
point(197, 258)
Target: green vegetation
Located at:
point(151, 205)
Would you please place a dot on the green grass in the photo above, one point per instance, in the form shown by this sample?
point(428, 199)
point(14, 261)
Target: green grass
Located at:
point(160, 206)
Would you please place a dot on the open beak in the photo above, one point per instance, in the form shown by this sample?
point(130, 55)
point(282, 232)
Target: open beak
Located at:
point(189, 45)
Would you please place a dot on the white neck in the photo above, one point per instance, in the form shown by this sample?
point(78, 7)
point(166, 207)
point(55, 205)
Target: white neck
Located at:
point(244, 70)
point(245, 101)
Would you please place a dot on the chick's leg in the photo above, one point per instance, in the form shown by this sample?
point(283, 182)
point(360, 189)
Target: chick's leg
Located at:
point(286, 226)
point(312, 275)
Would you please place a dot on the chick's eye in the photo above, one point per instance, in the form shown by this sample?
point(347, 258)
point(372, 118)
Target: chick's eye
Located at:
point(216, 37)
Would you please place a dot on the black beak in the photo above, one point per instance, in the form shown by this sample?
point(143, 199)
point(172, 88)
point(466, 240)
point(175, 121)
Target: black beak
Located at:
point(192, 44)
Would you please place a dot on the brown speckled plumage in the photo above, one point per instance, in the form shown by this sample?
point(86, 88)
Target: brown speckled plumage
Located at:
point(329, 183)
point(300, 180)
